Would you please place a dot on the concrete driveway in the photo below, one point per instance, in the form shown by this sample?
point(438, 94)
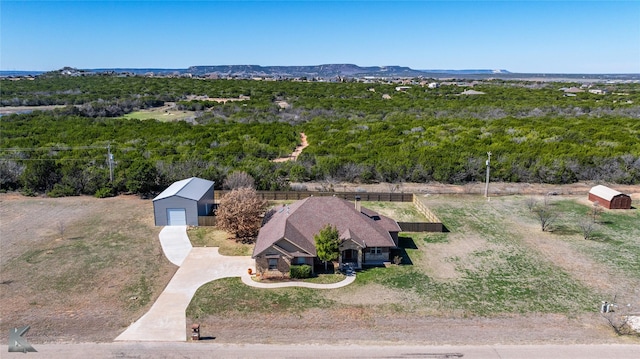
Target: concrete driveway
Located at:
point(166, 320)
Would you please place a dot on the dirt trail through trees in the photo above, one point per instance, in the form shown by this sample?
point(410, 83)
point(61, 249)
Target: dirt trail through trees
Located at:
point(294, 155)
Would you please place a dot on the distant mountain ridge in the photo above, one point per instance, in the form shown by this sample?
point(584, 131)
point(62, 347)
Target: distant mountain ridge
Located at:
point(329, 72)
point(324, 71)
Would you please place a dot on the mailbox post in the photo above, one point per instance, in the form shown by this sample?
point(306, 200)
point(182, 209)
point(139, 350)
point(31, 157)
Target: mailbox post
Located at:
point(195, 332)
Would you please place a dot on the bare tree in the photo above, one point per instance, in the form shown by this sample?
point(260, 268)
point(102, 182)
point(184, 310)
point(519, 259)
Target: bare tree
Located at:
point(239, 179)
point(620, 319)
point(531, 203)
point(395, 187)
point(587, 226)
point(328, 184)
point(350, 171)
point(240, 211)
point(546, 215)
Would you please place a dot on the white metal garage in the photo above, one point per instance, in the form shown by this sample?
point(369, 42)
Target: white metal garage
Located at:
point(183, 202)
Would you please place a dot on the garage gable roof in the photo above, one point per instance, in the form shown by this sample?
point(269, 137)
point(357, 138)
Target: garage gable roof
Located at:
point(604, 192)
point(191, 188)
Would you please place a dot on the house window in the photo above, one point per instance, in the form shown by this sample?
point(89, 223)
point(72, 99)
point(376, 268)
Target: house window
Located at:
point(375, 250)
point(273, 263)
point(300, 260)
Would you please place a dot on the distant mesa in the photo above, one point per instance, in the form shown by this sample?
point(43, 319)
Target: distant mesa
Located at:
point(326, 71)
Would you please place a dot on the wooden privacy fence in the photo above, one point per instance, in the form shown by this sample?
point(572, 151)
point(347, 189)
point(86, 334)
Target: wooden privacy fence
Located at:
point(206, 221)
point(433, 224)
point(349, 196)
point(420, 226)
point(424, 210)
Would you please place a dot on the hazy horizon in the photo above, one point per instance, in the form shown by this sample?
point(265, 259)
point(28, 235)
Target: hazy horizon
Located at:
point(567, 37)
point(427, 71)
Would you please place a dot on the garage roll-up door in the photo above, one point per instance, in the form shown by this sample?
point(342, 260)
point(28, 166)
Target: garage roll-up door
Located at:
point(177, 216)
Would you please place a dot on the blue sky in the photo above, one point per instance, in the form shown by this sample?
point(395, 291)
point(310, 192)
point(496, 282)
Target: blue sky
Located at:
point(519, 36)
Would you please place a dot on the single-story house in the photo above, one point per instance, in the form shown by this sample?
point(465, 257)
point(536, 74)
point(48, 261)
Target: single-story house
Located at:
point(287, 237)
point(183, 201)
point(609, 198)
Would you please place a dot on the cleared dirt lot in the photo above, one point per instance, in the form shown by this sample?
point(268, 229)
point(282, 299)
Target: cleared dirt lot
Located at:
point(86, 282)
point(90, 281)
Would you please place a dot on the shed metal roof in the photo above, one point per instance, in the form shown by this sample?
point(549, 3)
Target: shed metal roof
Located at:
point(604, 192)
point(191, 188)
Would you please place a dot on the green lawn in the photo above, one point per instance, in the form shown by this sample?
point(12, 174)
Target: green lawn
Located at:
point(616, 240)
point(213, 237)
point(231, 296)
point(493, 269)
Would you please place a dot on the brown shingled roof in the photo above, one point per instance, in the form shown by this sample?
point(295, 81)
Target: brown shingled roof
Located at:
point(302, 220)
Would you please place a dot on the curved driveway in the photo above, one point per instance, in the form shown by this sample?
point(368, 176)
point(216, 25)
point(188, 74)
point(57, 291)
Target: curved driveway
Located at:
point(166, 320)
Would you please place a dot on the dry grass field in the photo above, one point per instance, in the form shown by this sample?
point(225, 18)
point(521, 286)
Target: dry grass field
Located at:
point(81, 269)
point(77, 268)
point(164, 113)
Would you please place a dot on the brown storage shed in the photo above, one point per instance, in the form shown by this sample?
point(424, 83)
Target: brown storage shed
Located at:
point(609, 198)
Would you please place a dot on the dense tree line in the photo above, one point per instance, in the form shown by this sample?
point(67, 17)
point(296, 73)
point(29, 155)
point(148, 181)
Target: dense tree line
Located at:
point(66, 155)
point(454, 151)
point(536, 133)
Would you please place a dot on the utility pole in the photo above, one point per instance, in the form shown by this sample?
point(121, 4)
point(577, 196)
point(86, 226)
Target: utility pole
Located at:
point(486, 187)
point(110, 159)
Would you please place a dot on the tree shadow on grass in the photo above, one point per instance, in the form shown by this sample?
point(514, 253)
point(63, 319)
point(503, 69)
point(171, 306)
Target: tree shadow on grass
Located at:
point(599, 237)
point(404, 243)
point(564, 230)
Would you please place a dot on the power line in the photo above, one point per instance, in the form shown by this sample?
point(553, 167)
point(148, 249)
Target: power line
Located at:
point(22, 149)
point(43, 159)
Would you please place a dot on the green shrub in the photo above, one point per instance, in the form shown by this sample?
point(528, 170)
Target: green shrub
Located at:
point(61, 190)
point(28, 192)
point(105, 192)
point(300, 271)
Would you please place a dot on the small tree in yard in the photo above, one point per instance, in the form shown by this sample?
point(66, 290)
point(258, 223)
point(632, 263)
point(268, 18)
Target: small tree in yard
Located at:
point(327, 244)
point(587, 226)
point(546, 215)
point(240, 211)
point(531, 203)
